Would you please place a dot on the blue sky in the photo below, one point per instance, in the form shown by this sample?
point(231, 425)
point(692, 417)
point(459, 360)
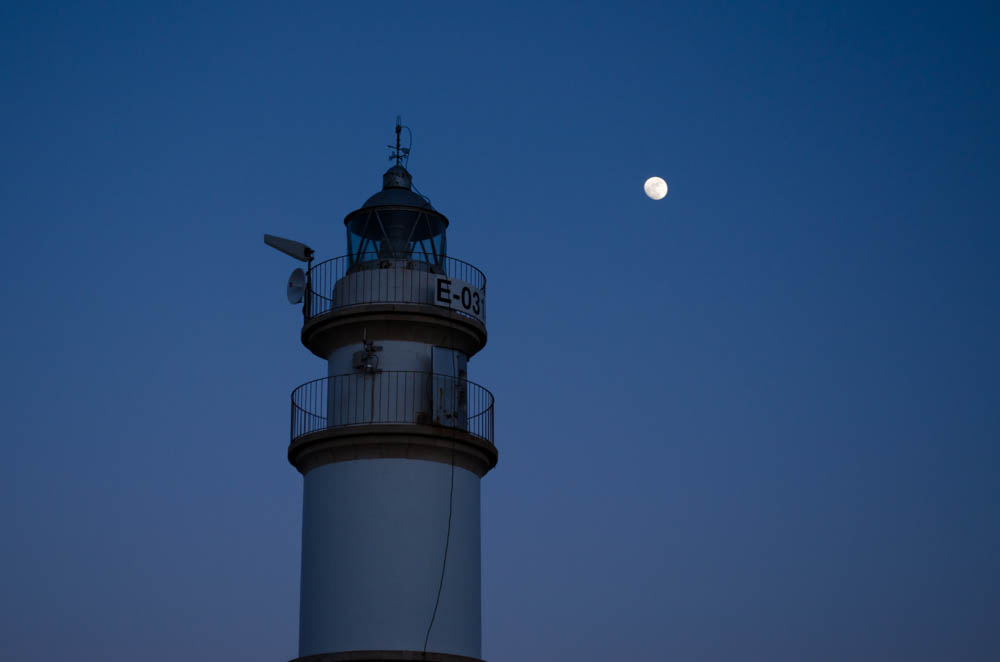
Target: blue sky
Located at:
point(757, 418)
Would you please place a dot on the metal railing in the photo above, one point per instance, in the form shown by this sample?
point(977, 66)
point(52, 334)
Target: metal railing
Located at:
point(362, 279)
point(392, 396)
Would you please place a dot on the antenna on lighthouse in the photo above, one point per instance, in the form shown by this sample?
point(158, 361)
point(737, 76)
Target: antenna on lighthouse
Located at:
point(299, 283)
point(289, 247)
point(401, 154)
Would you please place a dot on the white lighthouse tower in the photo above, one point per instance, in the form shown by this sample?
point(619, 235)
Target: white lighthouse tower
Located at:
point(393, 442)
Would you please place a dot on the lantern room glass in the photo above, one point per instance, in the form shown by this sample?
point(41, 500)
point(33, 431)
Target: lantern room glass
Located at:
point(396, 233)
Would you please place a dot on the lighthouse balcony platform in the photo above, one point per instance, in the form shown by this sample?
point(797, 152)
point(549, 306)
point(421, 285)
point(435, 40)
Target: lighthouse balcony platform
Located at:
point(368, 278)
point(392, 414)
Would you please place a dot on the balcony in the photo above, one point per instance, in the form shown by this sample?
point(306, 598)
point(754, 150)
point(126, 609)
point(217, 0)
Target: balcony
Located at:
point(451, 406)
point(366, 279)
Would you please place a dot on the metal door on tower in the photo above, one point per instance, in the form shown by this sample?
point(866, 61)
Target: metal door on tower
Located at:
point(449, 388)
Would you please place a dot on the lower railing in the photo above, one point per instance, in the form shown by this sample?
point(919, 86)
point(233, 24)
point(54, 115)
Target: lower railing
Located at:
point(392, 397)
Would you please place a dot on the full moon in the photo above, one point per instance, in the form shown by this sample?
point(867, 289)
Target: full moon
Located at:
point(655, 188)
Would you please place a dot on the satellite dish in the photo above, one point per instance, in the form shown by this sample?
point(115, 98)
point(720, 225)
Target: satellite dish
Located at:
point(296, 286)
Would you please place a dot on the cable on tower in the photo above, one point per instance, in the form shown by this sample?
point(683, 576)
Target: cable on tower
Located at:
point(451, 508)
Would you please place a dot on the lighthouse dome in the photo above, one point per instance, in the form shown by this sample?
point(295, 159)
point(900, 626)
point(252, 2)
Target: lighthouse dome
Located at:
point(397, 189)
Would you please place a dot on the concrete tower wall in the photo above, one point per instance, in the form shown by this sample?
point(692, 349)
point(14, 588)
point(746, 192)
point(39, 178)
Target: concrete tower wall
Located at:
point(395, 355)
point(373, 537)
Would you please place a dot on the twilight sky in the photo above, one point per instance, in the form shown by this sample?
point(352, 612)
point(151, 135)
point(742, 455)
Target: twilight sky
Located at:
point(756, 420)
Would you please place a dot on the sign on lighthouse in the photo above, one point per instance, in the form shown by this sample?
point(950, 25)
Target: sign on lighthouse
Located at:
point(393, 441)
point(459, 295)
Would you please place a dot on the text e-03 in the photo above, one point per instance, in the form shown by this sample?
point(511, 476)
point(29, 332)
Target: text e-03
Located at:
point(456, 294)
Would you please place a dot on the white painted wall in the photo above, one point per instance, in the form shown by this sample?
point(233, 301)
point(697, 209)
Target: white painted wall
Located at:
point(395, 355)
point(373, 537)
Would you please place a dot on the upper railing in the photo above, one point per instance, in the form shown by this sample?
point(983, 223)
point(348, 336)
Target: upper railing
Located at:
point(392, 397)
point(357, 280)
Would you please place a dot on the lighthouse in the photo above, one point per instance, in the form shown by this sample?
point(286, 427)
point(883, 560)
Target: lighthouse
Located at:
point(392, 443)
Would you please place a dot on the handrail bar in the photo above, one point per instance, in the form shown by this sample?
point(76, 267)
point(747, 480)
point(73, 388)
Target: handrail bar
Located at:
point(409, 397)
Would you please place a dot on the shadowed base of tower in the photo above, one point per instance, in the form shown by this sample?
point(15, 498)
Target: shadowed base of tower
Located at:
point(412, 442)
point(386, 656)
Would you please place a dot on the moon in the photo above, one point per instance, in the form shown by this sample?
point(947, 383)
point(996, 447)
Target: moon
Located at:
point(655, 188)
